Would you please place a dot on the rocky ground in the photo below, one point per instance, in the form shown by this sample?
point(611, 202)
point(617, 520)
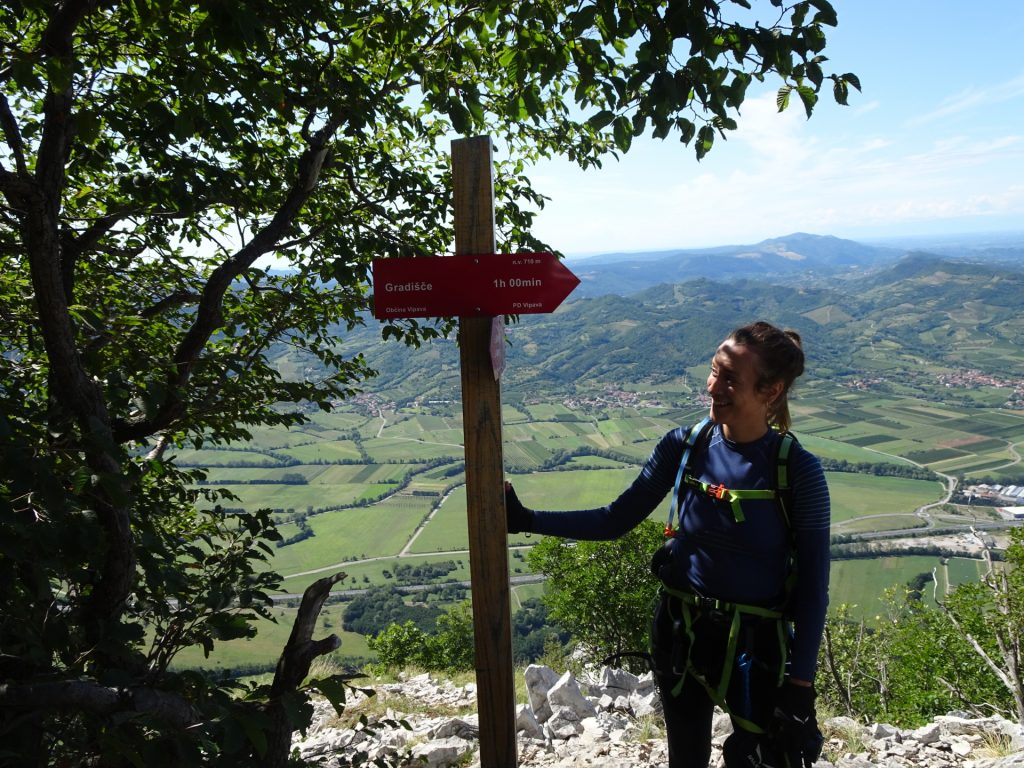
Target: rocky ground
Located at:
point(611, 722)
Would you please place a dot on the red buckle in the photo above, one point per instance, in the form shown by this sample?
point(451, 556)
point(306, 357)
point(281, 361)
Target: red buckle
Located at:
point(717, 491)
point(669, 532)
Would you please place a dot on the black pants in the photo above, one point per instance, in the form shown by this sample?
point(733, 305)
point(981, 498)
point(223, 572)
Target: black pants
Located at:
point(751, 691)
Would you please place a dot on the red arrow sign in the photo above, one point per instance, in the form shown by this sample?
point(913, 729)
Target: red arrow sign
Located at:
point(488, 284)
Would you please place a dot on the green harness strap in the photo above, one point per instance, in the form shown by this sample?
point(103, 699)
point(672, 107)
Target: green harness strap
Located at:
point(696, 433)
point(734, 497)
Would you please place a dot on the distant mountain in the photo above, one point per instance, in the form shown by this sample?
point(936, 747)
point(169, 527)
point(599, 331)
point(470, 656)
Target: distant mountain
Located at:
point(1005, 248)
point(782, 259)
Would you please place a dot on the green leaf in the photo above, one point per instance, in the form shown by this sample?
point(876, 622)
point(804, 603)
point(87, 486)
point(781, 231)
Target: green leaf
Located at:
point(476, 109)
point(334, 690)
point(662, 127)
point(705, 140)
point(227, 626)
point(826, 13)
point(808, 97)
point(687, 130)
point(782, 97)
point(460, 118)
point(23, 70)
point(840, 91)
point(601, 119)
point(254, 725)
point(799, 13)
point(814, 74)
point(623, 132)
point(581, 20)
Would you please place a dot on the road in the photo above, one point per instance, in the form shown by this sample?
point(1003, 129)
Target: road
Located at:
point(532, 578)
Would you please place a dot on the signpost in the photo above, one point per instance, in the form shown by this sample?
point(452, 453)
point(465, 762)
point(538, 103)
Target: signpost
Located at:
point(480, 287)
point(472, 171)
point(470, 285)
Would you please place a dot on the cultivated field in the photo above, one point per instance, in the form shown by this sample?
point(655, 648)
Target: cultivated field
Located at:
point(376, 486)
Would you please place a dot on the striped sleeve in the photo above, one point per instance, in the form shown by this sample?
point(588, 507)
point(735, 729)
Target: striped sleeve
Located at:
point(811, 503)
point(811, 518)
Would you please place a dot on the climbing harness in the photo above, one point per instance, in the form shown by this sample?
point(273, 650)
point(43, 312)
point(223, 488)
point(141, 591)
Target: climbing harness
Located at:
point(693, 606)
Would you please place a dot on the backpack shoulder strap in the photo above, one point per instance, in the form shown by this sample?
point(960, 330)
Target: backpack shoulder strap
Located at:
point(780, 483)
point(783, 502)
point(697, 434)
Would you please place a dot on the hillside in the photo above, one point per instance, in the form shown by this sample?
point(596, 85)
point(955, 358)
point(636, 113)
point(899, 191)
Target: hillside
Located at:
point(912, 369)
point(918, 318)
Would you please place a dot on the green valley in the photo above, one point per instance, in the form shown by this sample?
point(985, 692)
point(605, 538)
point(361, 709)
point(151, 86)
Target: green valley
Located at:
point(403, 500)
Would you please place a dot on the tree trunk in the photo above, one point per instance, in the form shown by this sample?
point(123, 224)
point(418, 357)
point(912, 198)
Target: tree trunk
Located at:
point(293, 667)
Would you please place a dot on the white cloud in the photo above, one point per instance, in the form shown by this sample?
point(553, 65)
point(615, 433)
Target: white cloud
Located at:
point(973, 99)
point(780, 173)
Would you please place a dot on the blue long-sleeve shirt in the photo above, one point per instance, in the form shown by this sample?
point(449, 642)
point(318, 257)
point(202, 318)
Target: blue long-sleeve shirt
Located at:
point(741, 562)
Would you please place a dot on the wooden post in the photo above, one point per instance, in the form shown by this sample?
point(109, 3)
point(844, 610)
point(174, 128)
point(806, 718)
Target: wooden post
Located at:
point(472, 170)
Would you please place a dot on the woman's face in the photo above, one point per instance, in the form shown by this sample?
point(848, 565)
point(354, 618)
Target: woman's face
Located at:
point(736, 402)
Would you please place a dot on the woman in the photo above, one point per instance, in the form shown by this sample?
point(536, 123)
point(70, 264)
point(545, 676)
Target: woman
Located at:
point(744, 567)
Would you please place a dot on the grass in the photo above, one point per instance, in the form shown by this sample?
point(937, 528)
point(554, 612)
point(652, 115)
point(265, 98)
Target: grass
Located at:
point(854, 495)
point(271, 638)
point(860, 583)
point(994, 745)
point(377, 530)
point(376, 572)
point(646, 728)
point(840, 740)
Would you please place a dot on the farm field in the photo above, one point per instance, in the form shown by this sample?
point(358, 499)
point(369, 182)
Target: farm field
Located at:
point(861, 583)
point(271, 637)
point(361, 489)
point(856, 496)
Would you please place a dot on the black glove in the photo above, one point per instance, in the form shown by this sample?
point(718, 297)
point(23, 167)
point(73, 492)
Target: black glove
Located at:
point(520, 519)
point(796, 725)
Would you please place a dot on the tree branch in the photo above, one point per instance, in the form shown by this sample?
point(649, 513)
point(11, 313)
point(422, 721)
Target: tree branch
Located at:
point(73, 246)
point(75, 393)
point(980, 651)
point(89, 696)
point(208, 312)
point(12, 135)
point(833, 668)
point(293, 666)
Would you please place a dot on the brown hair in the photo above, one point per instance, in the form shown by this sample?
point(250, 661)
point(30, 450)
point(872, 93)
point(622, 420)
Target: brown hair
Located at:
point(780, 356)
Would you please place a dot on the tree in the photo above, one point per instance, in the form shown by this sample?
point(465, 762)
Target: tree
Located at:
point(989, 614)
point(158, 158)
point(399, 645)
point(911, 664)
point(533, 631)
point(602, 592)
point(448, 649)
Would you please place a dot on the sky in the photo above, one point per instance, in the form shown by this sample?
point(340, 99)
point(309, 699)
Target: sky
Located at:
point(933, 145)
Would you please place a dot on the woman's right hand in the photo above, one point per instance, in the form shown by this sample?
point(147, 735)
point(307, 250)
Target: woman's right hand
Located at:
point(518, 517)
